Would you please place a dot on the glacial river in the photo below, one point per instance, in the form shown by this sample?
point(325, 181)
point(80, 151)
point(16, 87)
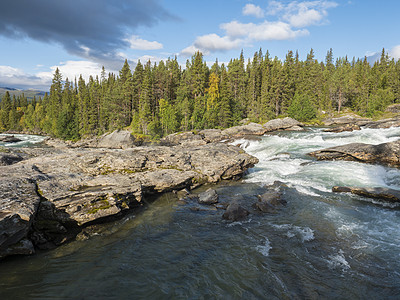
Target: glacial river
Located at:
point(321, 245)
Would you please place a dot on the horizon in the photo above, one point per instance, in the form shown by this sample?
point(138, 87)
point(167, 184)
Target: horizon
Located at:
point(40, 36)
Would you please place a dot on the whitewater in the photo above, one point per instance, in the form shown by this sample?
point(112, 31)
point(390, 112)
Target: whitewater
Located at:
point(320, 245)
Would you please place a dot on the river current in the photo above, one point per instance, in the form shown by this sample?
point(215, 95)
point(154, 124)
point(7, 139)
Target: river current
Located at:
point(321, 245)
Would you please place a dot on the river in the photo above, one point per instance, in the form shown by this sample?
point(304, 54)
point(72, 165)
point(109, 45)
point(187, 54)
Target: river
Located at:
point(321, 245)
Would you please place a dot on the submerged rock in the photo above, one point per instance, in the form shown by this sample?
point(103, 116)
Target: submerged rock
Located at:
point(385, 194)
point(208, 197)
point(235, 212)
point(269, 201)
point(347, 127)
point(9, 139)
point(386, 153)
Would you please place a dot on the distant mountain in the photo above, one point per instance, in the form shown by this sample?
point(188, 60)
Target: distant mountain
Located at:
point(28, 93)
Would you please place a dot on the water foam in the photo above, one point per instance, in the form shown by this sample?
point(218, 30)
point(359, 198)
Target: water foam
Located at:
point(264, 249)
point(338, 261)
point(305, 234)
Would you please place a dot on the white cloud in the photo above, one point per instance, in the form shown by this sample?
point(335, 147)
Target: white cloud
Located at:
point(73, 69)
point(13, 77)
point(189, 51)
point(213, 42)
point(253, 10)
point(293, 17)
point(140, 44)
point(395, 52)
point(263, 31)
point(302, 14)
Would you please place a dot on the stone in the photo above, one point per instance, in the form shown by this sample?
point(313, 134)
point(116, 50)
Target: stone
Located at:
point(51, 195)
point(19, 203)
point(9, 139)
point(9, 159)
point(386, 153)
point(346, 127)
point(235, 212)
point(269, 201)
point(243, 130)
point(187, 138)
point(385, 194)
point(212, 135)
point(280, 124)
point(346, 119)
point(119, 139)
point(208, 197)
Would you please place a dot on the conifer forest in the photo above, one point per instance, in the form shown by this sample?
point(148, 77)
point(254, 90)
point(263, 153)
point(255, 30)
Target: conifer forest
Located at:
point(156, 99)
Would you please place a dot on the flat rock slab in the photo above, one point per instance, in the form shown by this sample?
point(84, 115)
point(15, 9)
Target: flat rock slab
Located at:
point(55, 191)
point(385, 194)
point(386, 153)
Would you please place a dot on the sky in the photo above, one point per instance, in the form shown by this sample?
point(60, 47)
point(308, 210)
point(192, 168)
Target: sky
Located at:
point(81, 36)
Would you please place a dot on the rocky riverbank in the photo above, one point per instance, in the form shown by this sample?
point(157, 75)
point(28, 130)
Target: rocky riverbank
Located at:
point(50, 194)
point(385, 153)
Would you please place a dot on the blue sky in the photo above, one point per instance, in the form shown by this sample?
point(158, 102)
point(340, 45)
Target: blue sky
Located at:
point(80, 36)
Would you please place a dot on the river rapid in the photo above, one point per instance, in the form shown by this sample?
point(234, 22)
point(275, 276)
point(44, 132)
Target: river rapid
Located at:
point(321, 245)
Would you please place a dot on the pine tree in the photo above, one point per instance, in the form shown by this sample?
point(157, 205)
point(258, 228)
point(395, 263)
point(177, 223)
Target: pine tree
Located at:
point(6, 107)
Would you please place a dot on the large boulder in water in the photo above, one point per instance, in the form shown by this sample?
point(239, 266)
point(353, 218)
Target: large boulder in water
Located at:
point(55, 192)
point(208, 197)
point(279, 124)
point(19, 202)
point(243, 130)
point(9, 139)
point(235, 212)
point(386, 153)
point(269, 201)
point(385, 194)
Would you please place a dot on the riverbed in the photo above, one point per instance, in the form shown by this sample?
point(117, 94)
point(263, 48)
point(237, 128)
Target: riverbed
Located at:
point(320, 245)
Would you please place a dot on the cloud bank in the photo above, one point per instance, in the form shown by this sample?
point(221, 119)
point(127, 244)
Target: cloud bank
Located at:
point(92, 30)
point(292, 20)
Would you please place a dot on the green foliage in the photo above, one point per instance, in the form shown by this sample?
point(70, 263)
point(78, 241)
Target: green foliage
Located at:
point(159, 99)
point(302, 108)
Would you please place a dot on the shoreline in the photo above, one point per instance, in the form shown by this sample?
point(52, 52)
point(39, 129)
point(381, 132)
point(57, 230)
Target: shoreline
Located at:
point(71, 186)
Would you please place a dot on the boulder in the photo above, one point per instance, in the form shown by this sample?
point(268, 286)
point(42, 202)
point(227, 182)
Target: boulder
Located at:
point(235, 212)
point(9, 158)
point(346, 127)
point(187, 138)
point(19, 202)
point(119, 139)
point(269, 201)
point(53, 194)
point(386, 153)
point(385, 194)
point(208, 197)
point(280, 124)
point(243, 130)
point(347, 119)
point(212, 135)
point(9, 139)
point(385, 123)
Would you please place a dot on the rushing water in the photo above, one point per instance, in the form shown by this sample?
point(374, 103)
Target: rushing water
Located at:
point(321, 245)
point(26, 140)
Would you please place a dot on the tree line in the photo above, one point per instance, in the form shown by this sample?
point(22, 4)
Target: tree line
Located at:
point(159, 99)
